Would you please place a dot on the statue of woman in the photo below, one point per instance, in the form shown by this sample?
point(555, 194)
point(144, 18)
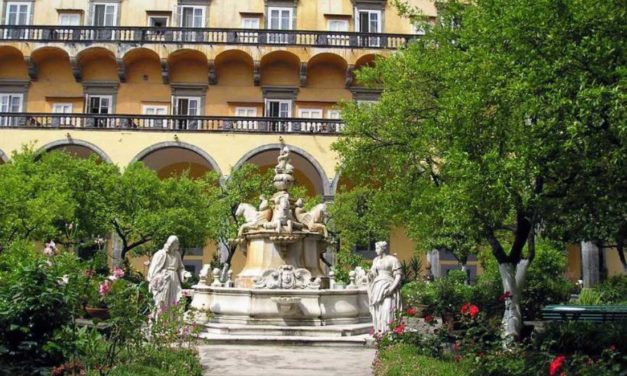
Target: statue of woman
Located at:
point(384, 288)
point(165, 274)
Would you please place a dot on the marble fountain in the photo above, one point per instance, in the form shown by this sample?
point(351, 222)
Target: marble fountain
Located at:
point(283, 293)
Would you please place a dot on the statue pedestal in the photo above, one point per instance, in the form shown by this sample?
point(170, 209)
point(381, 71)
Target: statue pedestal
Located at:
point(267, 249)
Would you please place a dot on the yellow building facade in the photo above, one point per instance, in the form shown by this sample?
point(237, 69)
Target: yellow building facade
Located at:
point(194, 84)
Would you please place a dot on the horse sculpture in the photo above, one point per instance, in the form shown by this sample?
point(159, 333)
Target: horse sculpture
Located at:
point(313, 219)
point(253, 218)
point(281, 215)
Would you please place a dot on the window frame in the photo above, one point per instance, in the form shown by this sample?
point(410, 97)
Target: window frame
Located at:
point(115, 14)
point(203, 8)
point(358, 12)
point(280, 9)
point(10, 121)
point(29, 6)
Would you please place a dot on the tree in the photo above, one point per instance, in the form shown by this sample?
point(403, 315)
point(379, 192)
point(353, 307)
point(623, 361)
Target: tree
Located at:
point(90, 180)
point(146, 210)
point(485, 125)
point(33, 200)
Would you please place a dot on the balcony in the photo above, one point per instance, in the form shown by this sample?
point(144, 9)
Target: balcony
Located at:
point(169, 123)
point(172, 35)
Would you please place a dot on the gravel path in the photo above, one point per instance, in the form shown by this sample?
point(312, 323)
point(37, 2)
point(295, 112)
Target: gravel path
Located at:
point(258, 360)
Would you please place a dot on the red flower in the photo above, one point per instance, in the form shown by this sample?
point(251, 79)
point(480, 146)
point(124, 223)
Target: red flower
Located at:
point(400, 329)
point(457, 358)
point(428, 319)
point(470, 309)
point(411, 311)
point(556, 364)
point(504, 296)
point(465, 308)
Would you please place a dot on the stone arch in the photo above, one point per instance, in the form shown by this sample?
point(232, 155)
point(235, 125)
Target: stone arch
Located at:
point(79, 148)
point(280, 68)
point(12, 64)
point(188, 66)
point(97, 64)
point(367, 60)
point(234, 68)
point(306, 161)
point(168, 158)
point(326, 70)
point(142, 65)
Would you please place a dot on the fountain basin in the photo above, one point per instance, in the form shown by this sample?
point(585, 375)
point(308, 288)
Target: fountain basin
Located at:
point(280, 307)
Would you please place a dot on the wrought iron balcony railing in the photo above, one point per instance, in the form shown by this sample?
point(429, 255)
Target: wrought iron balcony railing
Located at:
point(169, 123)
point(181, 35)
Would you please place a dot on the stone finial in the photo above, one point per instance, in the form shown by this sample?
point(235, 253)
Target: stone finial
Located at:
point(351, 276)
point(229, 280)
point(216, 278)
point(331, 279)
point(203, 275)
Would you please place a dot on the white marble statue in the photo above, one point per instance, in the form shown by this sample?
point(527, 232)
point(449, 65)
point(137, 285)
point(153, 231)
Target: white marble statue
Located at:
point(253, 218)
point(313, 219)
point(165, 274)
point(384, 288)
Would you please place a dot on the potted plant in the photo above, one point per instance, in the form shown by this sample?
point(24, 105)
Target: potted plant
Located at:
point(418, 296)
point(449, 294)
point(98, 291)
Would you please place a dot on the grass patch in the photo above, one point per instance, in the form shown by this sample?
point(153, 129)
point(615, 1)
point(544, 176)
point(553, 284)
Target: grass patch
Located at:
point(403, 360)
point(171, 362)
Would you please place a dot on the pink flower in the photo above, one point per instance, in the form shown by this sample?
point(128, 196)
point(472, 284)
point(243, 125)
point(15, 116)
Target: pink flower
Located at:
point(104, 288)
point(411, 311)
point(556, 364)
point(118, 272)
point(50, 248)
point(400, 329)
point(89, 273)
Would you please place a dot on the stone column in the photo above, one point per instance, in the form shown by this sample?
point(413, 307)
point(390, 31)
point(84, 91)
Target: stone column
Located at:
point(434, 259)
point(590, 263)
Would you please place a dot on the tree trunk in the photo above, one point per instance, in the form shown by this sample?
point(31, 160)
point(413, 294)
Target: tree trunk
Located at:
point(590, 263)
point(513, 278)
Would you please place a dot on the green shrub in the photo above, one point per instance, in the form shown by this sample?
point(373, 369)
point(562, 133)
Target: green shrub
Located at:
point(589, 296)
point(37, 299)
point(546, 283)
point(614, 290)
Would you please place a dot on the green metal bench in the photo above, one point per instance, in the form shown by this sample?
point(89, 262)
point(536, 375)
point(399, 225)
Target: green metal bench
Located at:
point(599, 313)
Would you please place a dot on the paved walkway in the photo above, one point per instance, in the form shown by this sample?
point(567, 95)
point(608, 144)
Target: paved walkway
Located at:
point(258, 360)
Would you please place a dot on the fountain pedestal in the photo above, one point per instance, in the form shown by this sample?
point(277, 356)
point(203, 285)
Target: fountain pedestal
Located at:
point(282, 291)
point(265, 249)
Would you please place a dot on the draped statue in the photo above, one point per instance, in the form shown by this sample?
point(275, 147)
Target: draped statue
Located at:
point(165, 275)
point(384, 293)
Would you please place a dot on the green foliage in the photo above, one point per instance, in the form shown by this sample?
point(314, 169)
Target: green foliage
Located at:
point(614, 290)
point(357, 216)
point(90, 181)
point(546, 282)
point(346, 261)
point(588, 338)
point(448, 294)
point(507, 117)
point(38, 297)
point(411, 269)
point(404, 359)
point(590, 296)
point(33, 201)
point(179, 362)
